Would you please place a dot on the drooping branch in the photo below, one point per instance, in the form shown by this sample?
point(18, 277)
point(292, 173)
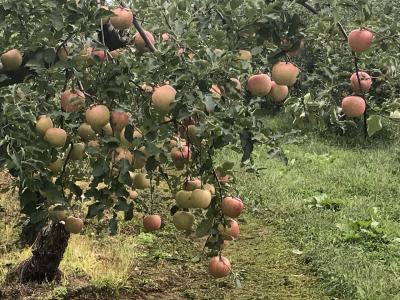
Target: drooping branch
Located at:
point(307, 6)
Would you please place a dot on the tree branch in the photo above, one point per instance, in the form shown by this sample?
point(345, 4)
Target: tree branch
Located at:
point(307, 6)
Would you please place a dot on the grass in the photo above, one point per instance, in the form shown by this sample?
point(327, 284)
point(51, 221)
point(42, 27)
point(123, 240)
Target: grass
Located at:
point(339, 204)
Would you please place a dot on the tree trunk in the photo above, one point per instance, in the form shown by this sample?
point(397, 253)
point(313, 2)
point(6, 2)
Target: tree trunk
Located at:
point(47, 253)
point(28, 234)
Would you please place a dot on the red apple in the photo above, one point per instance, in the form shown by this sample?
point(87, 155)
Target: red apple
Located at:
point(232, 206)
point(284, 73)
point(11, 60)
point(119, 119)
point(72, 100)
point(219, 266)
point(278, 93)
point(151, 223)
point(123, 19)
point(353, 106)
point(259, 85)
point(365, 81)
point(163, 98)
point(360, 40)
point(139, 41)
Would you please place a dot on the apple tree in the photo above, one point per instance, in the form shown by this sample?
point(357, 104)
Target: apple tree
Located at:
point(131, 98)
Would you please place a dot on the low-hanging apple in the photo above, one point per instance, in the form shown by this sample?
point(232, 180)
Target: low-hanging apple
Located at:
point(73, 225)
point(77, 151)
point(278, 93)
point(86, 132)
point(140, 43)
point(72, 100)
point(219, 266)
point(123, 18)
point(200, 198)
point(285, 73)
point(182, 199)
point(365, 82)
point(151, 223)
point(360, 40)
point(140, 181)
point(245, 55)
point(56, 137)
point(183, 220)
point(43, 123)
point(97, 116)
point(119, 119)
point(353, 106)
point(232, 206)
point(11, 60)
point(259, 85)
point(163, 98)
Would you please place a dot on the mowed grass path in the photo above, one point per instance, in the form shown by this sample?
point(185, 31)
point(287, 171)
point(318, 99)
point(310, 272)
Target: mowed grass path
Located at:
point(340, 207)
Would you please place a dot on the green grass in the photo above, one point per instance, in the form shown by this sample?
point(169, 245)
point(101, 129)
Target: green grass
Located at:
point(339, 203)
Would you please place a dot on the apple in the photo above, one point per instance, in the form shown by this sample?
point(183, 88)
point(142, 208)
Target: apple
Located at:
point(147, 88)
point(200, 198)
point(163, 98)
point(219, 266)
point(232, 206)
point(182, 153)
point(123, 153)
point(106, 130)
point(284, 73)
point(140, 43)
point(353, 106)
point(192, 184)
point(360, 40)
point(133, 194)
point(119, 119)
point(56, 166)
point(165, 36)
point(56, 137)
point(72, 100)
point(97, 116)
point(238, 85)
point(231, 231)
point(43, 123)
point(73, 225)
point(101, 55)
point(11, 60)
point(182, 199)
point(216, 91)
point(94, 144)
point(365, 81)
point(278, 93)
point(78, 150)
point(259, 85)
point(141, 181)
point(191, 131)
point(151, 223)
point(123, 18)
point(86, 132)
point(183, 220)
point(245, 55)
point(210, 188)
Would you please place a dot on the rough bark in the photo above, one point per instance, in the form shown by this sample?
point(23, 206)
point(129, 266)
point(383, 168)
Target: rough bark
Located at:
point(47, 253)
point(28, 235)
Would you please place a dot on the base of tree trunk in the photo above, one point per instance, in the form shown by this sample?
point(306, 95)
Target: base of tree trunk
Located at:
point(47, 253)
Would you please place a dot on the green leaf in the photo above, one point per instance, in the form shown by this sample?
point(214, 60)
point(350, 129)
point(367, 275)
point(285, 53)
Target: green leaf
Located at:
point(374, 124)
